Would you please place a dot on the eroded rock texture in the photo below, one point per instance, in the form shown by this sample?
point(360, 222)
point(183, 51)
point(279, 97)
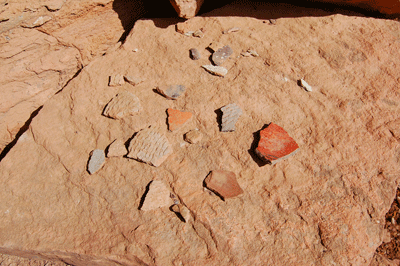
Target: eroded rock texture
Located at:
point(59, 38)
point(323, 206)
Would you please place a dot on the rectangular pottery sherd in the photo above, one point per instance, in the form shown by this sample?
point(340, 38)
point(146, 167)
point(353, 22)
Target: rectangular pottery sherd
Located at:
point(177, 118)
point(116, 80)
point(230, 115)
point(223, 183)
point(149, 146)
point(275, 144)
point(125, 103)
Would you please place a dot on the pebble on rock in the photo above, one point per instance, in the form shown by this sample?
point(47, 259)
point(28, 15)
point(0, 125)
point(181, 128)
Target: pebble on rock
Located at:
point(275, 144)
point(230, 115)
point(177, 118)
point(133, 80)
point(96, 161)
point(194, 54)
point(223, 183)
point(171, 92)
point(116, 149)
point(125, 103)
point(305, 85)
point(149, 146)
point(193, 136)
point(158, 196)
point(234, 29)
point(116, 80)
point(216, 70)
point(221, 55)
point(198, 34)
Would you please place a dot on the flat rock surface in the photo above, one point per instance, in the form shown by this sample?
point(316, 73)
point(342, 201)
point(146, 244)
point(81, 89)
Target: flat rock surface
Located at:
point(323, 206)
point(223, 183)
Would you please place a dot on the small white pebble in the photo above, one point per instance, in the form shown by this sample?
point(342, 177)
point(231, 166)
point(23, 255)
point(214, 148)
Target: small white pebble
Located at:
point(305, 85)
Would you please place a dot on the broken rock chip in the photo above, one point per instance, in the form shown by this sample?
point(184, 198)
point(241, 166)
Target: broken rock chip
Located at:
point(223, 183)
point(186, 8)
point(234, 29)
point(230, 115)
point(194, 54)
point(116, 80)
point(193, 136)
point(177, 118)
point(221, 55)
point(125, 103)
point(216, 70)
point(149, 146)
point(171, 92)
point(183, 211)
point(96, 161)
point(36, 21)
point(275, 144)
point(133, 80)
point(117, 149)
point(158, 196)
point(305, 85)
point(54, 5)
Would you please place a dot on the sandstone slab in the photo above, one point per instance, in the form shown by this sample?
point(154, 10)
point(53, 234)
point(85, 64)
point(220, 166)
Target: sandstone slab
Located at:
point(149, 146)
point(158, 196)
point(36, 21)
point(275, 144)
point(177, 118)
point(325, 206)
point(123, 104)
point(223, 183)
point(37, 66)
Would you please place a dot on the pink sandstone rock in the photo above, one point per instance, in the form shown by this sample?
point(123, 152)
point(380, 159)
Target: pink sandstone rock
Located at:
point(327, 206)
point(187, 8)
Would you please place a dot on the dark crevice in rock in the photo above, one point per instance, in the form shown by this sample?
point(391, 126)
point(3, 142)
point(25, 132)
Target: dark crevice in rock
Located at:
point(21, 131)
